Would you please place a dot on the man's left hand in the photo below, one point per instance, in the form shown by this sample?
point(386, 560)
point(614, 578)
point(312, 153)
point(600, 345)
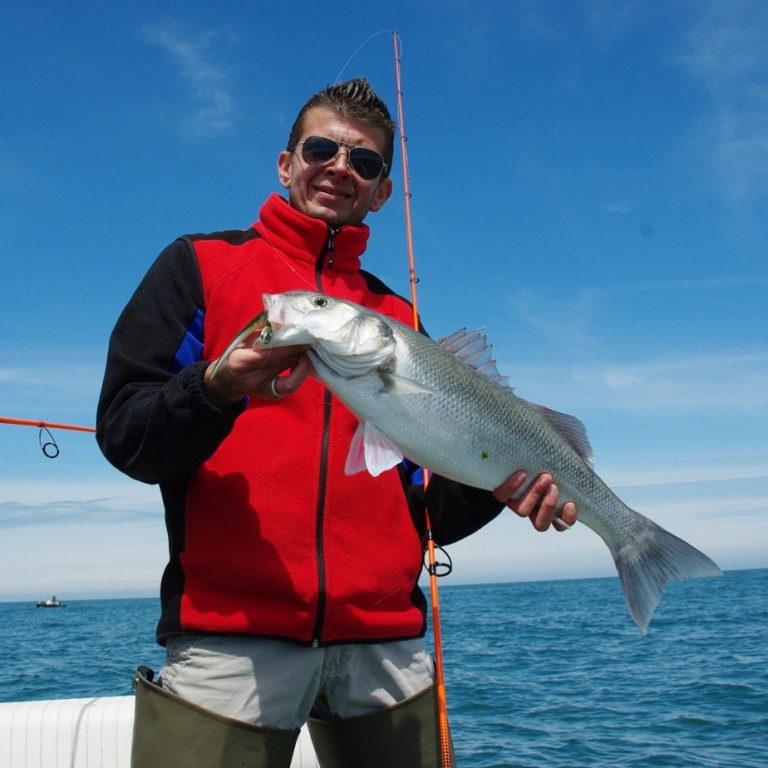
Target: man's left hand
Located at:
point(539, 501)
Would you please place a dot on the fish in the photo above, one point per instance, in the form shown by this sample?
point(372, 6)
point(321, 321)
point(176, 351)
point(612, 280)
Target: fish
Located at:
point(444, 406)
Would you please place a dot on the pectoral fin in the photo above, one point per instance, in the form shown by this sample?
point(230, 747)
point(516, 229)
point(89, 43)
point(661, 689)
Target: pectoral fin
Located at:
point(371, 450)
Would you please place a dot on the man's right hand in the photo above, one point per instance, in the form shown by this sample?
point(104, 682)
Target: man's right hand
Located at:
point(257, 372)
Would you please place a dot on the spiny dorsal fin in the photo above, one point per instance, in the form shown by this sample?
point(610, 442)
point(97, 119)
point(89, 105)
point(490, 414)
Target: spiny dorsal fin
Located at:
point(571, 429)
point(473, 349)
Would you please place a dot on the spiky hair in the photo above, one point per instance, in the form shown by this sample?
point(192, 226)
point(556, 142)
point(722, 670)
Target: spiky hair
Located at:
point(353, 99)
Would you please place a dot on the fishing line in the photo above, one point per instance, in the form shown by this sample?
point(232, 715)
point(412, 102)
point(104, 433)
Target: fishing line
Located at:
point(357, 50)
point(309, 283)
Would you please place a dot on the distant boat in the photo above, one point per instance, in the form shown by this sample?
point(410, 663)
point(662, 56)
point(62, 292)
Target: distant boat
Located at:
point(52, 603)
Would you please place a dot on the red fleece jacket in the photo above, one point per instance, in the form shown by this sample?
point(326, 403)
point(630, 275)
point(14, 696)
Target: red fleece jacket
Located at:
point(267, 534)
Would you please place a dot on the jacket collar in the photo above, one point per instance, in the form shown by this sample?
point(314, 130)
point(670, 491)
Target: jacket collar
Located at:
point(304, 238)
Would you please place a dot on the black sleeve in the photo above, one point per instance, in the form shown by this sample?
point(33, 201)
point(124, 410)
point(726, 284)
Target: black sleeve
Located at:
point(154, 421)
point(455, 510)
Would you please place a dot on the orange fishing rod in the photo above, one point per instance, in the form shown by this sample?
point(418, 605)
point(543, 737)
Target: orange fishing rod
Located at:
point(44, 424)
point(50, 448)
point(442, 702)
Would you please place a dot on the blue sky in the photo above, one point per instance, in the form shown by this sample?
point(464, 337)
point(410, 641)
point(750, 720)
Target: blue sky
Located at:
point(589, 183)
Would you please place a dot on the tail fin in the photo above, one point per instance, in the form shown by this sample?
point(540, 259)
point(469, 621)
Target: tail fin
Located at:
point(649, 562)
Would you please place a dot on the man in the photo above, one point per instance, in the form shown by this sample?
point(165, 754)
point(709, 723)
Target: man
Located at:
point(291, 589)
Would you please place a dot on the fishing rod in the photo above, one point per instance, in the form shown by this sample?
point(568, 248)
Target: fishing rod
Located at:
point(44, 424)
point(442, 702)
point(50, 448)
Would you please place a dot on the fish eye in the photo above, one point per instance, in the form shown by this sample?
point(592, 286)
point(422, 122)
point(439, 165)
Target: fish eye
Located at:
point(320, 301)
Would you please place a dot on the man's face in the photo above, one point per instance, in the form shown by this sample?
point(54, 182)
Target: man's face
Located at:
point(333, 191)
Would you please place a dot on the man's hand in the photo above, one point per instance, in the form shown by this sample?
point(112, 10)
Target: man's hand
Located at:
point(257, 372)
point(538, 502)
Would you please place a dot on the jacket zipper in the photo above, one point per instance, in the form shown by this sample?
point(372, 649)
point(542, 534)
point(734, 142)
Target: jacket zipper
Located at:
point(319, 518)
point(327, 251)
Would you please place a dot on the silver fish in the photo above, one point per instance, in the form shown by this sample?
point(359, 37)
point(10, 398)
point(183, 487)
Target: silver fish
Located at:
point(444, 406)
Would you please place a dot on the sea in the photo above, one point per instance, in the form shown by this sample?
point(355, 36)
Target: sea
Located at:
point(538, 675)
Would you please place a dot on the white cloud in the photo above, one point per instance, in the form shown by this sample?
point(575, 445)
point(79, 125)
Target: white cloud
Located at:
point(690, 381)
point(50, 375)
point(580, 360)
point(80, 538)
point(726, 519)
point(75, 560)
point(725, 53)
point(583, 325)
point(207, 83)
point(91, 538)
point(84, 500)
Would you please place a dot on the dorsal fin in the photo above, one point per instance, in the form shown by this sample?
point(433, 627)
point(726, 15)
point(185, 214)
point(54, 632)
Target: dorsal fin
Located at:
point(473, 349)
point(571, 429)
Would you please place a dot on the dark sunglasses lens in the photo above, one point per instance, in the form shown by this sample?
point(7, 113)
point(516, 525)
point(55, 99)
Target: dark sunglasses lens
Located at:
point(367, 163)
point(318, 149)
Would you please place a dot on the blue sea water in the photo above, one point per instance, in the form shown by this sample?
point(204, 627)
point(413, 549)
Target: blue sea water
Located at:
point(538, 674)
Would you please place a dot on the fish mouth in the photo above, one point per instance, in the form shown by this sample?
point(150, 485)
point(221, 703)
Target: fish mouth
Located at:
point(282, 318)
point(272, 309)
point(272, 321)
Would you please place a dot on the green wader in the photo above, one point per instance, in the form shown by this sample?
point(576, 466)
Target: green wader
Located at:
point(170, 732)
point(405, 735)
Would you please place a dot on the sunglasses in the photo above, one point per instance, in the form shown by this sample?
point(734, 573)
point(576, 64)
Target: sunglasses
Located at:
point(366, 163)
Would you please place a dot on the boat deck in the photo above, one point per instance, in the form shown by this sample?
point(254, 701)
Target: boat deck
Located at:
point(82, 733)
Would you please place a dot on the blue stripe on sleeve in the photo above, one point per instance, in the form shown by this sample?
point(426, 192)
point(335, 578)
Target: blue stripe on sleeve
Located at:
point(191, 348)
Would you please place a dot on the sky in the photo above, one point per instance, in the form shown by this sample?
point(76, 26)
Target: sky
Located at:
point(589, 182)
